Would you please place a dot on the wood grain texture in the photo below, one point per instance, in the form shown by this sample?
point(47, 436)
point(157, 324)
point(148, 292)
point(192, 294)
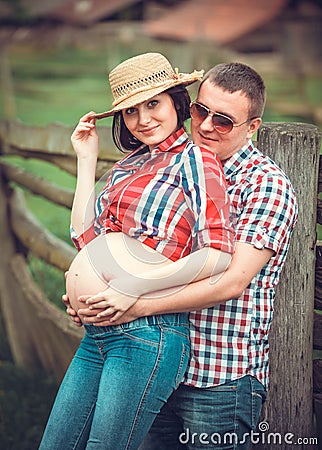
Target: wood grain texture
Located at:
point(295, 148)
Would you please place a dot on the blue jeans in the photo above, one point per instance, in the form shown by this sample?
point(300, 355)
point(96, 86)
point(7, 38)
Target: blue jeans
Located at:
point(117, 383)
point(218, 418)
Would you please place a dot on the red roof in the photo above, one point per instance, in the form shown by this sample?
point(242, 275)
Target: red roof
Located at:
point(222, 21)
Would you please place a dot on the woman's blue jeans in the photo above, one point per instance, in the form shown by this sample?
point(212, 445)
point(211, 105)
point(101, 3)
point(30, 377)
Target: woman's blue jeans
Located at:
point(117, 383)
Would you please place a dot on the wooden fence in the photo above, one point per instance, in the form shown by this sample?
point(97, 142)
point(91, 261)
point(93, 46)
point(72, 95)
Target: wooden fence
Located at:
point(41, 335)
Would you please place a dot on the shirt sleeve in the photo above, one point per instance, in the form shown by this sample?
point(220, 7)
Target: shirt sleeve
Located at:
point(89, 234)
point(205, 192)
point(268, 213)
point(81, 240)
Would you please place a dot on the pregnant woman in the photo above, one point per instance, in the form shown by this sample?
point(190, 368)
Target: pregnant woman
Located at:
point(160, 221)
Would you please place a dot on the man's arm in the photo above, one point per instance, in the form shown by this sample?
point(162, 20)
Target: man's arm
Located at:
point(70, 311)
point(247, 261)
point(123, 292)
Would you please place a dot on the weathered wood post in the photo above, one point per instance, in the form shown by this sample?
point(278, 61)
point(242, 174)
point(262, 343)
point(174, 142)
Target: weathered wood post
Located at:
point(288, 412)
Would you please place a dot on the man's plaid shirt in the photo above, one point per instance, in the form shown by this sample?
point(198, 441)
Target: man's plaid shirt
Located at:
point(230, 340)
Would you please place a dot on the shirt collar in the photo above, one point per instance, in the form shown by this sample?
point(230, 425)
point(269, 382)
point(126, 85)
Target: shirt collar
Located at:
point(141, 154)
point(175, 139)
point(233, 163)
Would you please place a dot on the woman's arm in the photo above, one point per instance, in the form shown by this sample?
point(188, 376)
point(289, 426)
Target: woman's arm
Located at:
point(85, 143)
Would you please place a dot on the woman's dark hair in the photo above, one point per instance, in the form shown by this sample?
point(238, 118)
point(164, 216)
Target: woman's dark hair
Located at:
point(125, 141)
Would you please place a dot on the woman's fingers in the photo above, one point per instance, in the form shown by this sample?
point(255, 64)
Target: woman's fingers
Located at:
point(93, 299)
point(107, 312)
point(90, 116)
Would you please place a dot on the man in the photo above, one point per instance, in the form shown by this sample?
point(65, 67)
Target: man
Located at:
point(220, 399)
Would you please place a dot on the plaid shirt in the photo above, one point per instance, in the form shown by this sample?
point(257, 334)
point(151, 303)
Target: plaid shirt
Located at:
point(230, 340)
point(173, 199)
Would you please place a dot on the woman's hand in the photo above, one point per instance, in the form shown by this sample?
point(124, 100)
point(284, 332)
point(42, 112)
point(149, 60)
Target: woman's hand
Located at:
point(131, 314)
point(85, 138)
point(112, 302)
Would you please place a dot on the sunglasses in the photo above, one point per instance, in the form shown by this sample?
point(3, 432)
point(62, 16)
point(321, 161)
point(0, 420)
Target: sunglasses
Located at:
point(221, 123)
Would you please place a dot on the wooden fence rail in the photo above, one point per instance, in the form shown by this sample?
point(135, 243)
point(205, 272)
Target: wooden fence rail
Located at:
point(41, 335)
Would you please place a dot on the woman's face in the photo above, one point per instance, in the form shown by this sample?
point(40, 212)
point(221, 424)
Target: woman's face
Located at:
point(152, 121)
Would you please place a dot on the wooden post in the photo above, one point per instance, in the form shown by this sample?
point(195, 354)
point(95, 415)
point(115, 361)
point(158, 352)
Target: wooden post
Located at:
point(295, 148)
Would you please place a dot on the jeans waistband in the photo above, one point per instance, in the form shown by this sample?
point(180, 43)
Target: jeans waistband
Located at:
point(175, 319)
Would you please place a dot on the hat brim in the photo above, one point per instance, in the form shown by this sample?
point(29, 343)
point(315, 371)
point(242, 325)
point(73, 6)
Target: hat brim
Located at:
point(149, 92)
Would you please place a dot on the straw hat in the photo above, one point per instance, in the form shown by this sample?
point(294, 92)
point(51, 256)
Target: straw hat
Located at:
point(139, 78)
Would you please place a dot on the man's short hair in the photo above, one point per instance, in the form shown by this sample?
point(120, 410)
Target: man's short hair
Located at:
point(234, 77)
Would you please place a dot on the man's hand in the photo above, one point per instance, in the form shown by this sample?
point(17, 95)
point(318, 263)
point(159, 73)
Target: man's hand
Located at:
point(71, 312)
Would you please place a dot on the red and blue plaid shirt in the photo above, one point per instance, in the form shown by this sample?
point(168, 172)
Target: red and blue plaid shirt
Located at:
point(230, 340)
point(172, 199)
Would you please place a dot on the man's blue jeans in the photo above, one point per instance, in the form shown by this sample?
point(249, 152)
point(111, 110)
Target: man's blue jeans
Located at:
point(218, 418)
point(117, 383)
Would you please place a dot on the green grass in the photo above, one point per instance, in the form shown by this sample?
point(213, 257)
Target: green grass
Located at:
point(59, 85)
point(50, 280)
point(319, 231)
point(44, 169)
point(294, 90)
point(53, 217)
point(301, 92)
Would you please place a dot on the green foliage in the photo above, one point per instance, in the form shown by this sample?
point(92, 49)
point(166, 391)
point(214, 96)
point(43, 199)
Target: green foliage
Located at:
point(25, 403)
point(298, 90)
point(319, 231)
point(294, 89)
point(43, 169)
point(59, 84)
point(50, 280)
point(54, 218)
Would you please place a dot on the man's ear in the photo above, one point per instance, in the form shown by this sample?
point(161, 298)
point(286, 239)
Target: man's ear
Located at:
point(253, 126)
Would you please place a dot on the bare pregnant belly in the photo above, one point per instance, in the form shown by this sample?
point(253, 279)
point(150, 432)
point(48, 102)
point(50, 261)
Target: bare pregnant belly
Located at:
point(112, 255)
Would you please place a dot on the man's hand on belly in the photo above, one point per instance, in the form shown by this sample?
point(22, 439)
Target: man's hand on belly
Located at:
point(71, 312)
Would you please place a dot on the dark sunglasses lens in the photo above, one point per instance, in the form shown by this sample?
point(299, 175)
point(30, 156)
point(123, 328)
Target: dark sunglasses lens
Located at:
point(222, 124)
point(199, 110)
